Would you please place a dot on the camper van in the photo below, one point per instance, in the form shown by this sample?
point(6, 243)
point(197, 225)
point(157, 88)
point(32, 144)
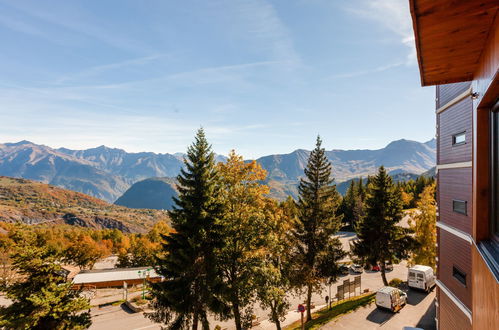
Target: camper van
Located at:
point(421, 277)
point(390, 298)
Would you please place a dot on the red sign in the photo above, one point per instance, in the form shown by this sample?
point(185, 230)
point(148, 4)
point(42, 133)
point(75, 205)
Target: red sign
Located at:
point(301, 308)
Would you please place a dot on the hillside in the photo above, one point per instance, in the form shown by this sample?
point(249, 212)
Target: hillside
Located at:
point(33, 202)
point(153, 193)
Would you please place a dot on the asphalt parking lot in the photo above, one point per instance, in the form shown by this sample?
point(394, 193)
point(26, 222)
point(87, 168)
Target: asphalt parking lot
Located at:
point(419, 312)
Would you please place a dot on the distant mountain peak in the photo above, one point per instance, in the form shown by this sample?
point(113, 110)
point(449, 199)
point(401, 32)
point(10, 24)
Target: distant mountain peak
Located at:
point(106, 172)
point(20, 143)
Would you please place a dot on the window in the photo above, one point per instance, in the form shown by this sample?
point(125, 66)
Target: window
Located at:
point(494, 223)
point(412, 275)
point(420, 276)
point(459, 206)
point(459, 275)
point(459, 138)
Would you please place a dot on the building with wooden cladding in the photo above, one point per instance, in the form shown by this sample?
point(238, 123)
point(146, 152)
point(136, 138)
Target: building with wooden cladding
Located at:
point(457, 44)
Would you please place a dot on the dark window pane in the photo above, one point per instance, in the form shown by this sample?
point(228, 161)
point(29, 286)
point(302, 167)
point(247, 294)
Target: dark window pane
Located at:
point(459, 206)
point(459, 275)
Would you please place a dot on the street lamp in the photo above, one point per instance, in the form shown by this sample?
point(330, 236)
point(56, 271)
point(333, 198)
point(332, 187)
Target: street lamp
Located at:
point(144, 274)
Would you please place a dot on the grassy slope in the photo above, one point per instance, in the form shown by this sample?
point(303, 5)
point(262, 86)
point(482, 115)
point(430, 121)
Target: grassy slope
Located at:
point(326, 315)
point(33, 202)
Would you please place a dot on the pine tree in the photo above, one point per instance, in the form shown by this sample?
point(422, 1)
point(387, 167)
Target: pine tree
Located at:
point(424, 222)
point(380, 239)
point(348, 202)
point(43, 299)
point(318, 250)
point(361, 190)
point(189, 290)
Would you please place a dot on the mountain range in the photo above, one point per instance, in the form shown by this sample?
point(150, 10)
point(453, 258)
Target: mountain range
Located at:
point(107, 173)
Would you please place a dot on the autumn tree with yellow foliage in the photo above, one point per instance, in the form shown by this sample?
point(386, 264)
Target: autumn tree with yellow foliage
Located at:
point(245, 234)
point(274, 278)
point(424, 224)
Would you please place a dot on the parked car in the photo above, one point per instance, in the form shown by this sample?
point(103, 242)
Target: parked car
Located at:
point(391, 298)
point(356, 268)
point(344, 270)
point(375, 268)
point(421, 277)
point(388, 266)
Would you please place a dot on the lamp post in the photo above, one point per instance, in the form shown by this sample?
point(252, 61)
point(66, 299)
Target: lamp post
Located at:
point(144, 274)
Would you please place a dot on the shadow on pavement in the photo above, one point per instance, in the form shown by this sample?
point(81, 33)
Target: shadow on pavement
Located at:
point(427, 321)
point(414, 297)
point(379, 316)
point(126, 309)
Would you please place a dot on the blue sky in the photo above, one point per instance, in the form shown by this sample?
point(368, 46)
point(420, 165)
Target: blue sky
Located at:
point(260, 76)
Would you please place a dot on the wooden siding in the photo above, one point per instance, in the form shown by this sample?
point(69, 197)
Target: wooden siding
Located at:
point(455, 184)
point(485, 295)
point(456, 119)
point(448, 92)
point(455, 252)
point(450, 317)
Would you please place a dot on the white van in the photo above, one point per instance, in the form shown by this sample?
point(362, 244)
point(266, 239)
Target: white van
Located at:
point(390, 298)
point(421, 277)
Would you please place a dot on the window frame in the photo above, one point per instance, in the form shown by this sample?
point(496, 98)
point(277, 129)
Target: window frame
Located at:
point(494, 174)
point(454, 143)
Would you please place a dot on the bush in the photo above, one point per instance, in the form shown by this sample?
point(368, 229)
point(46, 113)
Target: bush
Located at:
point(395, 282)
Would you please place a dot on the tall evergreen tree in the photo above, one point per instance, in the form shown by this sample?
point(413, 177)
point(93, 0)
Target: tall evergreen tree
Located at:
point(189, 290)
point(361, 190)
point(43, 299)
point(380, 239)
point(347, 203)
point(318, 251)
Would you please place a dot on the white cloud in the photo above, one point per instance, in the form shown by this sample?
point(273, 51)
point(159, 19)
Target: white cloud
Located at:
point(394, 15)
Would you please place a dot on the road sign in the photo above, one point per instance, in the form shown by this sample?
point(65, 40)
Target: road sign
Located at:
point(301, 308)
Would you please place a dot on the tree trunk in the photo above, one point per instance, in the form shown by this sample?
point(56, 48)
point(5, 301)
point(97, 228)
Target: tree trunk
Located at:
point(309, 300)
point(237, 315)
point(383, 274)
point(195, 321)
point(276, 317)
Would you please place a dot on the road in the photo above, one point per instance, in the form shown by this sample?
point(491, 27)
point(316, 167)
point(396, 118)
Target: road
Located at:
point(419, 312)
point(118, 317)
